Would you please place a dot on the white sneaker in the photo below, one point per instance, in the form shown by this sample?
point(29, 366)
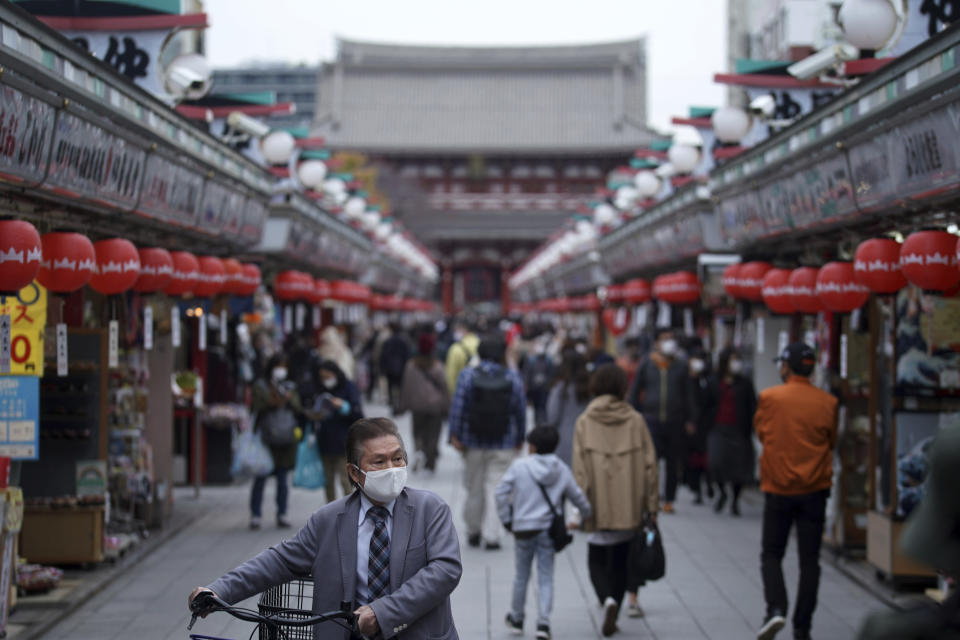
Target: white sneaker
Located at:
point(610, 611)
point(771, 626)
point(634, 610)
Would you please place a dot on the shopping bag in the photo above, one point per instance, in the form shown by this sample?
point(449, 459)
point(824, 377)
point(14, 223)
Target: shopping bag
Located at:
point(251, 458)
point(308, 472)
point(647, 558)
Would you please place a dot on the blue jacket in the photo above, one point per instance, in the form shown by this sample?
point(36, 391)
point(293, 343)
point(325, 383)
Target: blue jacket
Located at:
point(460, 410)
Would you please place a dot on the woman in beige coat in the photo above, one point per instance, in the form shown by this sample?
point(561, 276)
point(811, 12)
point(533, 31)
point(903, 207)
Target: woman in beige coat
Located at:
point(615, 464)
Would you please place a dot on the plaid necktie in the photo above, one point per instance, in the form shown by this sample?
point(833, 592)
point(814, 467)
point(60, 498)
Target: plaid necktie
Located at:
point(378, 569)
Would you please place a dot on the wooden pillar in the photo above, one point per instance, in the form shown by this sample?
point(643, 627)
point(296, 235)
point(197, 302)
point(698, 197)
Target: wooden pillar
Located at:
point(447, 291)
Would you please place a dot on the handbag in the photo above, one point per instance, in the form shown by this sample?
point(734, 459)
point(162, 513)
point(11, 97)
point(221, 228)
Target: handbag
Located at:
point(647, 559)
point(558, 528)
point(308, 472)
point(278, 426)
point(251, 458)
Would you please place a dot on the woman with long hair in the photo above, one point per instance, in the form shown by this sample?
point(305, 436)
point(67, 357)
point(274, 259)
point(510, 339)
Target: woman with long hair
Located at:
point(338, 406)
point(568, 399)
point(729, 442)
point(424, 392)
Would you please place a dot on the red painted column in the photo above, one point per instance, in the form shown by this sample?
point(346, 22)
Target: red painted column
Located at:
point(447, 290)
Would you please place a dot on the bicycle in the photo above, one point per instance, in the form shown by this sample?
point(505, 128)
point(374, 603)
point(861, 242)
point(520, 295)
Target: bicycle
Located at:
point(275, 625)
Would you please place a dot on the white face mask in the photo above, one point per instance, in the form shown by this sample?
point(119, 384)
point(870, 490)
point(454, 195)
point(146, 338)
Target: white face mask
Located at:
point(581, 348)
point(279, 374)
point(668, 347)
point(329, 383)
point(697, 365)
point(384, 485)
point(736, 366)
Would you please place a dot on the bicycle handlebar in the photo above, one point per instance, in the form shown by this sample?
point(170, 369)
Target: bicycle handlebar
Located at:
point(206, 602)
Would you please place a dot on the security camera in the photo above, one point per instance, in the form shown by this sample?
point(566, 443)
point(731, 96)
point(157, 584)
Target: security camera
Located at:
point(185, 79)
point(763, 106)
point(188, 76)
point(823, 60)
point(250, 126)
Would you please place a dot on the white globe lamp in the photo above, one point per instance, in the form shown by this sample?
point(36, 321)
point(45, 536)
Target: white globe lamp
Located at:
point(605, 215)
point(730, 124)
point(626, 197)
point(354, 208)
point(312, 174)
point(647, 183)
point(383, 231)
point(684, 157)
point(277, 147)
point(868, 24)
point(370, 220)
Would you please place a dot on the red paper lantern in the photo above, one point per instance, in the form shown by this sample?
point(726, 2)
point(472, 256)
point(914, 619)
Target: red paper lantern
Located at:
point(615, 294)
point(731, 280)
point(68, 261)
point(616, 320)
point(233, 272)
point(776, 291)
point(750, 280)
point(118, 266)
point(350, 292)
point(929, 260)
point(876, 265)
point(250, 280)
point(156, 270)
point(838, 289)
point(186, 272)
point(677, 288)
point(636, 291)
point(803, 290)
point(212, 277)
point(321, 291)
point(292, 285)
point(20, 255)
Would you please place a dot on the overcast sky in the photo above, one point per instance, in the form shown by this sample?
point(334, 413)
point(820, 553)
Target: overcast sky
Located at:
point(686, 41)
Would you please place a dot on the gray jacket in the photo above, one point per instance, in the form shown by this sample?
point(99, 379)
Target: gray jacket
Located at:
point(424, 567)
point(563, 409)
point(520, 501)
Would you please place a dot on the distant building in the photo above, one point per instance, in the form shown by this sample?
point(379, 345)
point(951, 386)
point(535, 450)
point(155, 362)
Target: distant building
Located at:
point(296, 84)
point(482, 151)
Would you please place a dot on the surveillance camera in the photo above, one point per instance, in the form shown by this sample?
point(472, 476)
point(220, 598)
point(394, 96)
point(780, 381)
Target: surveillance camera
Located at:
point(250, 126)
point(185, 79)
point(763, 106)
point(188, 76)
point(823, 60)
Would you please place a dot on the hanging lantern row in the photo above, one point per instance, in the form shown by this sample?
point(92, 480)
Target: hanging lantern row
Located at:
point(677, 288)
point(64, 262)
point(396, 303)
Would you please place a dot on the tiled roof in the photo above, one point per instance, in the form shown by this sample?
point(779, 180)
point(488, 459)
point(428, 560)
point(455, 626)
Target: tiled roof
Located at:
point(380, 97)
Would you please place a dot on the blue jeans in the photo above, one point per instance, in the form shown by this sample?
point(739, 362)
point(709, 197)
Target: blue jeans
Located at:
point(256, 493)
point(540, 546)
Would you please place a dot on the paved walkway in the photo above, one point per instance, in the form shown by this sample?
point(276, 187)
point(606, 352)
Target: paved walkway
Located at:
point(712, 589)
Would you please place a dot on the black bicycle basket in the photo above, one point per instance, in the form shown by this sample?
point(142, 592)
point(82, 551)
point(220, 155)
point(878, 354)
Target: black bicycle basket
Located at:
point(292, 599)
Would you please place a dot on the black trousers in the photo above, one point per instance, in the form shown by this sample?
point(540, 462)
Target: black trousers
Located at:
point(608, 570)
point(426, 436)
point(780, 513)
point(666, 440)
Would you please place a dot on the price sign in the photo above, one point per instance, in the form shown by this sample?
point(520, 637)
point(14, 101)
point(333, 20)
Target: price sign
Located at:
point(175, 325)
point(148, 328)
point(113, 345)
point(21, 346)
point(62, 361)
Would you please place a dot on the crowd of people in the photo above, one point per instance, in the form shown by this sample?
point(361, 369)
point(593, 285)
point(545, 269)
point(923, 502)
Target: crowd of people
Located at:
point(606, 428)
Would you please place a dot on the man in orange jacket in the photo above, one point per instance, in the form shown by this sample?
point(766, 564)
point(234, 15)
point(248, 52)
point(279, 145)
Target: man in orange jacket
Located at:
point(797, 426)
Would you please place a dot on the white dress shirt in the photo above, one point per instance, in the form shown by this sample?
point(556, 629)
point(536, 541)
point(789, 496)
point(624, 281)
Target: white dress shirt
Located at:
point(364, 534)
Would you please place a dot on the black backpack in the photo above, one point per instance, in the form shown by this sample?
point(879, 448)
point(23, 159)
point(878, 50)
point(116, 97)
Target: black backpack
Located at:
point(488, 414)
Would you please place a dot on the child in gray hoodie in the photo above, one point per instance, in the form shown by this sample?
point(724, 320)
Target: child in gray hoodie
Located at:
point(524, 511)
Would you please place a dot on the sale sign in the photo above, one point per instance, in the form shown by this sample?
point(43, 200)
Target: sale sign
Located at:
point(27, 313)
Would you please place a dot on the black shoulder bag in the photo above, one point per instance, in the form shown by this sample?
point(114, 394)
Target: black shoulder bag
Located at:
point(558, 528)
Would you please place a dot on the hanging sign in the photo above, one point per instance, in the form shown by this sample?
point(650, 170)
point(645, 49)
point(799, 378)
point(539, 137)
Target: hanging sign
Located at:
point(288, 319)
point(26, 127)
point(148, 328)
point(761, 347)
point(175, 325)
point(27, 313)
point(688, 321)
point(301, 316)
point(202, 332)
point(844, 345)
point(664, 315)
point(113, 345)
point(783, 340)
point(19, 417)
point(62, 355)
point(316, 317)
point(223, 326)
point(170, 191)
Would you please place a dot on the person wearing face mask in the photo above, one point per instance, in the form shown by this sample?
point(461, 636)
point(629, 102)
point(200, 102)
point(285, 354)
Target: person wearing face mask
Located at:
point(797, 426)
point(389, 551)
point(696, 442)
point(661, 392)
point(337, 407)
point(276, 405)
point(730, 439)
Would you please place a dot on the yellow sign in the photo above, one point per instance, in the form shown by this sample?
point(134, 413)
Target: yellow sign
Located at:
point(28, 319)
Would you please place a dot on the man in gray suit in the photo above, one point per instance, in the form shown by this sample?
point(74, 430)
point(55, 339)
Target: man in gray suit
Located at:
point(390, 550)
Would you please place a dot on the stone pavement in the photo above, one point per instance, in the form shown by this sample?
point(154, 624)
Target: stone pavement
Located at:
point(712, 588)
